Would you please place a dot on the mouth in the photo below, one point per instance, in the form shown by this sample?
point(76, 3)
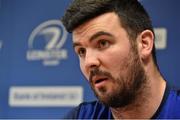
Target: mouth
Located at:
point(100, 80)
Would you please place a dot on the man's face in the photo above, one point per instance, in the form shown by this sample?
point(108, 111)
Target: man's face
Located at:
point(109, 62)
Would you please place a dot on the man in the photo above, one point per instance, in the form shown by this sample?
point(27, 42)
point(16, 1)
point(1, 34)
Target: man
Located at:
point(114, 40)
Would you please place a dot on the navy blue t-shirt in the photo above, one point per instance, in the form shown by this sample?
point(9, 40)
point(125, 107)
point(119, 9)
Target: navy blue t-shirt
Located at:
point(169, 108)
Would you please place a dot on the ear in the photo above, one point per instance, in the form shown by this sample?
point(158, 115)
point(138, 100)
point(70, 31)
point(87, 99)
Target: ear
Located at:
point(145, 44)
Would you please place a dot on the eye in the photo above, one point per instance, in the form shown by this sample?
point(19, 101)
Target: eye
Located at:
point(81, 52)
point(103, 44)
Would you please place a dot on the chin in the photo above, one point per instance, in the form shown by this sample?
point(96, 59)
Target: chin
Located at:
point(103, 93)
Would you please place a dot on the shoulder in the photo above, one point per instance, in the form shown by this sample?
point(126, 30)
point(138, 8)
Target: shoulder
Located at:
point(175, 93)
point(170, 104)
point(173, 96)
point(89, 110)
point(171, 108)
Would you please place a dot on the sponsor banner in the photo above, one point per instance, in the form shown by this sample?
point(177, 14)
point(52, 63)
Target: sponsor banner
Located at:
point(49, 96)
point(161, 38)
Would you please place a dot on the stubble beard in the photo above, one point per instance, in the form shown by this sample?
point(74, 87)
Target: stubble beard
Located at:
point(127, 87)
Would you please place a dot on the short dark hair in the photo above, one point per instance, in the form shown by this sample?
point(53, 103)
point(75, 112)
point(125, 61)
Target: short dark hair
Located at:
point(132, 15)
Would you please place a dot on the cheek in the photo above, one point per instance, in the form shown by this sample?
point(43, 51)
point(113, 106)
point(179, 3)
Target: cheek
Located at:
point(83, 70)
point(117, 63)
point(118, 53)
point(115, 59)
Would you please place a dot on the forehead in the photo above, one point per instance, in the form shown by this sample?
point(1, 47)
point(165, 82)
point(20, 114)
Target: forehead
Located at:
point(108, 22)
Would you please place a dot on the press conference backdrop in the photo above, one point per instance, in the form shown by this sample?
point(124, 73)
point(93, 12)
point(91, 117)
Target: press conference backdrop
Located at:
point(39, 72)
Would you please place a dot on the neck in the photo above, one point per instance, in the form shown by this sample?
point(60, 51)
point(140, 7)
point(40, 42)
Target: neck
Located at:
point(148, 102)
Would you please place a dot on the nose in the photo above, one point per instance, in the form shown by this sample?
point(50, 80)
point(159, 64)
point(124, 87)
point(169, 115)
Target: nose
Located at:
point(91, 61)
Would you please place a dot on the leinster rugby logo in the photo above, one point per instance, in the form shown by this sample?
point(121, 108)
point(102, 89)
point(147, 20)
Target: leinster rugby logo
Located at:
point(46, 43)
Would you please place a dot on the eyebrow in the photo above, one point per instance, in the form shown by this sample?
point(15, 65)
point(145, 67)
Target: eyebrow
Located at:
point(93, 37)
point(100, 33)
